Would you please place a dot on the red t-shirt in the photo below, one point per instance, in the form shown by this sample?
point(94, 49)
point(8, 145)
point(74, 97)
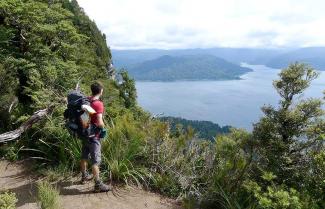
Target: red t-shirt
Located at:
point(98, 106)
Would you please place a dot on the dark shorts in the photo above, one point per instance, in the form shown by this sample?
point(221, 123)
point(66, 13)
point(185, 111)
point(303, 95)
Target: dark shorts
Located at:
point(91, 150)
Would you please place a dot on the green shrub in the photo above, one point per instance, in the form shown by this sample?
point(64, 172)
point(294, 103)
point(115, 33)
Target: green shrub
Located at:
point(51, 144)
point(8, 200)
point(123, 151)
point(10, 151)
point(167, 185)
point(275, 196)
point(55, 173)
point(47, 196)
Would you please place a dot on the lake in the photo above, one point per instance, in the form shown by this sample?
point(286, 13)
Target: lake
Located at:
point(234, 102)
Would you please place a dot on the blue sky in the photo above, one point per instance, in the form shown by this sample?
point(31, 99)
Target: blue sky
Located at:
point(172, 24)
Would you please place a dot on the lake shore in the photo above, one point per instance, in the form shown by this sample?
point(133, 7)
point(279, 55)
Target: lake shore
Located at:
point(231, 102)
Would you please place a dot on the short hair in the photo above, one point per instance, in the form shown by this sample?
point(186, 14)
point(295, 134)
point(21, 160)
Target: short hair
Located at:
point(96, 88)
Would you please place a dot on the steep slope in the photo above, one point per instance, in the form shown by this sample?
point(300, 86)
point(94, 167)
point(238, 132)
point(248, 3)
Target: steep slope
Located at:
point(192, 67)
point(46, 47)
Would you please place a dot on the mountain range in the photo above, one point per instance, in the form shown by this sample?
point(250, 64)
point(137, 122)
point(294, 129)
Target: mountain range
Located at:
point(275, 58)
point(314, 56)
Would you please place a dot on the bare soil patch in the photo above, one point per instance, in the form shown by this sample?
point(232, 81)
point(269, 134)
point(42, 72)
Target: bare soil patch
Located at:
point(17, 177)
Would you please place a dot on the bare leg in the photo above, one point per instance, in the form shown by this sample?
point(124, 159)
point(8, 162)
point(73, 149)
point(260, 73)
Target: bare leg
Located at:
point(83, 166)
point(99, 185)
point(84, 174)
point(95, 169)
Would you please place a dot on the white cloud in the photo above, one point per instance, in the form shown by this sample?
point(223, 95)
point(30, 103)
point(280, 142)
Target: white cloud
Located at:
point(209, 23)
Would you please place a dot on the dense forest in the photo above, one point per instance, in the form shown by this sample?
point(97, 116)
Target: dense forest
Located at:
point(48, 46)
point(43, 54)
point(204, 129)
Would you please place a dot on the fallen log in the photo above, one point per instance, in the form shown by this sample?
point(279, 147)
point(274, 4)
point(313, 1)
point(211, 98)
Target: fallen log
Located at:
point(35, 118)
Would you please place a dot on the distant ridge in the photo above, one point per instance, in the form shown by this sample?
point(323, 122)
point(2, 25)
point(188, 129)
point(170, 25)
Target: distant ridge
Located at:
point(190, 67)
point(274, 58)
point(314, 56)
point(125, 58)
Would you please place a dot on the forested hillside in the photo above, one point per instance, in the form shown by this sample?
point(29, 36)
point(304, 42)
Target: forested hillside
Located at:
point(47, 47)
point(204, 129)
point(191, 67)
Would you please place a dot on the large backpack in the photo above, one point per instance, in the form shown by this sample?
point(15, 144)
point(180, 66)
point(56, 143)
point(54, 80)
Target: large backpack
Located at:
point(75, 115)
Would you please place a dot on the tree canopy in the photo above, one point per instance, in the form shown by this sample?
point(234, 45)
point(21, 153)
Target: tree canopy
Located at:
point(45, 48)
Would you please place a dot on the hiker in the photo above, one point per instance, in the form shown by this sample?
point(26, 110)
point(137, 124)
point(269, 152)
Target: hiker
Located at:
point(91, 146)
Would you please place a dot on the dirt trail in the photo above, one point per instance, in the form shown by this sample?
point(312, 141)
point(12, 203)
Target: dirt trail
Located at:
point(16, 178)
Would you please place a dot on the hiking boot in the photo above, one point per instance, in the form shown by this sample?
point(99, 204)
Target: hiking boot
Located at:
point(101, 187)
point(86, 177)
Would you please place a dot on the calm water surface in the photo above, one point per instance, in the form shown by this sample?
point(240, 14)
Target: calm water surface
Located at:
point(235, 102)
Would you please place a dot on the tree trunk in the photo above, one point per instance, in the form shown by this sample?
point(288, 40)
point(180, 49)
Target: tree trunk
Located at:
point(35, 118)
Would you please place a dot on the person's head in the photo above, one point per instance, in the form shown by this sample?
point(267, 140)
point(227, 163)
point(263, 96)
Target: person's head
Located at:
point(96, 88)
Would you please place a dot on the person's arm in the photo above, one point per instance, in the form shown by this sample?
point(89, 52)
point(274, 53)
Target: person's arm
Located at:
point(100, 120)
